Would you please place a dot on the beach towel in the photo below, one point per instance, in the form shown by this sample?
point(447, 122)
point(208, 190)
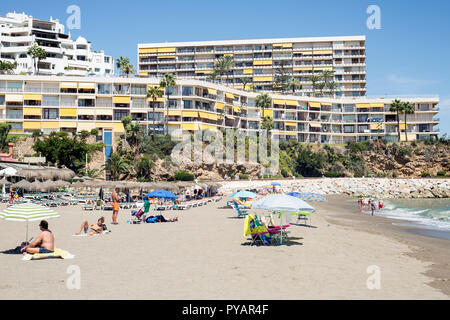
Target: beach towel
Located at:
point(95, 234)
point(57, 254)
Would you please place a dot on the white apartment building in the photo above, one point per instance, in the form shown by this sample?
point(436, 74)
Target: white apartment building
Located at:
point(259, 59)
point(19, 31)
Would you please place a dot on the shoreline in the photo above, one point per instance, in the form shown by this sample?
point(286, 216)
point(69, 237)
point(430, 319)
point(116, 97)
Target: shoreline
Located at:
point(425, 245)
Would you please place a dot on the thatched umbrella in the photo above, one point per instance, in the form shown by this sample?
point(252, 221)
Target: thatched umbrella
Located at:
point(78, 185)
point(5, 182)
point(61, 183)
point(37, 186)
point(47, 173)
point(49, 185)
point(28, 173)
point(23, 184)
point(65, 173)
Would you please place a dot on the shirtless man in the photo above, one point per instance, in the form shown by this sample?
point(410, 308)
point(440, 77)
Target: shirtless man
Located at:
point(93, 228)
point(45, 242)
point(116, 205)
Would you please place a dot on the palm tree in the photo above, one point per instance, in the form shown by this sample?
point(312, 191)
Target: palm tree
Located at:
point(153, 94)
point(267, 124)
point(321, 87)
point(7, 67)
point(408, 108)
point(294, 84)
point(263, 101)
point(125, 66)
point(282, 77)
point(118, 165)
point(333, 87)
point(167, 82)
point(326, 76)
point(245, 81)
point(314, 79)
point(213, 77)
point(38, 54)
point(223, 66)
point(397, 106)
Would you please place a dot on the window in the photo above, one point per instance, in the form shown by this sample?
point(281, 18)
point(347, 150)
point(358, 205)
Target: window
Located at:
point(187, 104)
point(119, 114)
point(187, 91)
point(50, 113)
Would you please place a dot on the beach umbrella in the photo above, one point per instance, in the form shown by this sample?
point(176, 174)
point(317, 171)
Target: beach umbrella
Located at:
point(28, 212)
point(282, 203)
point(244, 194)
point(5, 182)
point(28, 173)
point(275, 184)
point(161, 194)
point(100, 194)
point(78, 185)
point(309, 196)
point(23, 184)
point(36, 186)
point(8, 172)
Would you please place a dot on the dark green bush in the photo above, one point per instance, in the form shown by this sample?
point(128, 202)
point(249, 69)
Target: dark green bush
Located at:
point(183, 175)
point(425, 174)
point(334, 174)
point(441, 173)
point(243, 176)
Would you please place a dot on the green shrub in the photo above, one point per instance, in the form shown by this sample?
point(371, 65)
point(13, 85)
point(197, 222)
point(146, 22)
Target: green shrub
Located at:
point(425, 174)
point(380, 175)
point(284, 173)
point(243, 176)
point(94, 132)
point(84, 134)
point(403, 151)
point(183, 175)
point(333, 174)
point(441, 173)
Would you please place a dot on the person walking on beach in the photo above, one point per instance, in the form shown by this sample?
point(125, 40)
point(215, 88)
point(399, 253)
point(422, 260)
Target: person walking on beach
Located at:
point(372, 206)
point(116, 205)
point(360, 204)
point(380, 205)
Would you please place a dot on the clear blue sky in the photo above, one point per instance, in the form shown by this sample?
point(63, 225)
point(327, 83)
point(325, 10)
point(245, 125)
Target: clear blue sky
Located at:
point(408, 56)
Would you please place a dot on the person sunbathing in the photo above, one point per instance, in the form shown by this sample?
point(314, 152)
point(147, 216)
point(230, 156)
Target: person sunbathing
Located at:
point(160, 218)
point(44, 243)
point(93, 228)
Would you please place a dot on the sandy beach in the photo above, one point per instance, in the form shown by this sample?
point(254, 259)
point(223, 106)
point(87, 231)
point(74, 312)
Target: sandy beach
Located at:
point(205, 256)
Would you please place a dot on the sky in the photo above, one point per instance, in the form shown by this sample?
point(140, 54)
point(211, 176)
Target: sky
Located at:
point(409, 54)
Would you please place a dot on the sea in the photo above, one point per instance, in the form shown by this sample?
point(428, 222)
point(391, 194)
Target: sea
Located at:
point(430, 215)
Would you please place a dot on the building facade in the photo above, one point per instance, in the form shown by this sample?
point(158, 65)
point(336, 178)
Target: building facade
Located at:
point(73, 104)
point(18, 32)
point(258, 60)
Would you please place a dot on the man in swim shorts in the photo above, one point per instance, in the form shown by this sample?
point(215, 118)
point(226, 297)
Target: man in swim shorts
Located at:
point(116, 205)
point(93, 228)
point(44, 243)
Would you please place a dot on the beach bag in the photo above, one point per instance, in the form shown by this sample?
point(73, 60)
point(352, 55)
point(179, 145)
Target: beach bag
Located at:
point(152, 219)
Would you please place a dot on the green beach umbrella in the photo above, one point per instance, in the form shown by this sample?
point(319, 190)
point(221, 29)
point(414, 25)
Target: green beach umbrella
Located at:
point(28, 212)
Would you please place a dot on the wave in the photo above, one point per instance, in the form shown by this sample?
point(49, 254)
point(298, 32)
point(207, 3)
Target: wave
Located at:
point(431, 213)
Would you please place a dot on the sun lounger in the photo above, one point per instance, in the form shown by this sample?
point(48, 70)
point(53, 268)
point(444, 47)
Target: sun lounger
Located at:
point(89, 206)
point(241, 211)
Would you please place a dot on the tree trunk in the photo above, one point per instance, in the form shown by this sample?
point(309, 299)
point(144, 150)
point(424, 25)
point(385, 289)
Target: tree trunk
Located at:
point(153, 129)
point(406, 129)
point(398, 126)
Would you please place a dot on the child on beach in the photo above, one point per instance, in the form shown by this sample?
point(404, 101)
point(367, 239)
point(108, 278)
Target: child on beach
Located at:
point(380, 205)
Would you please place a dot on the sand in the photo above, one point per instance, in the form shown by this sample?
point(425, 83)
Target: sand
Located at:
point(205, 256)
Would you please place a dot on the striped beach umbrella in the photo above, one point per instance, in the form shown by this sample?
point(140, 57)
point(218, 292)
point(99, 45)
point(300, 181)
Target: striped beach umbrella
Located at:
point(309, 196)
point(28, 212)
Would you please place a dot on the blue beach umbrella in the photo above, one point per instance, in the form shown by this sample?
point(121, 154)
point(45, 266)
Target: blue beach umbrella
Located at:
point(244, 194)
point(161, 194)
point(275, 184)
point(309, 196)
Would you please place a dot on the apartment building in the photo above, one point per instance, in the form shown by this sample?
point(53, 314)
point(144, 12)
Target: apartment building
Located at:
point(18, 32)
point(73, 104)
point(259, 59)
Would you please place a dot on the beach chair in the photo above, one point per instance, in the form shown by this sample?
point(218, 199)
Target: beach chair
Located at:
point(89, 206)
point(241, 211)
point(258, 232)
